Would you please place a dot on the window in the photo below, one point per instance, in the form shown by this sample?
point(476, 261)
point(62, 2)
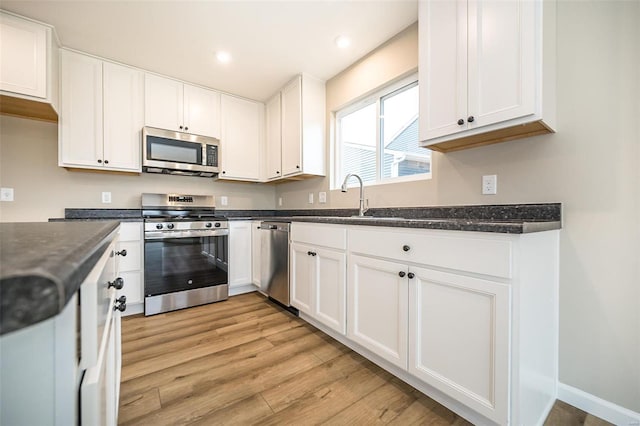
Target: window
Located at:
point(377, 138)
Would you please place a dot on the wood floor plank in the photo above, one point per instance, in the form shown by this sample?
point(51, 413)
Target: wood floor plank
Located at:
point(247, 361)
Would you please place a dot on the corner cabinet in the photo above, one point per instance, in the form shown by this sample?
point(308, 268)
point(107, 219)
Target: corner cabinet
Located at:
point(318, 273)
point(296, 119)
point(173, 105)
point(487, 71)
point(241, 139)
point(28, 68)
point(102, 114)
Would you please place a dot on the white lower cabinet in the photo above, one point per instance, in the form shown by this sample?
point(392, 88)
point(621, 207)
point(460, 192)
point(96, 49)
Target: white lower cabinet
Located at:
point(468, 318)
point(459, 338)
point(318, 273)
point(130, 266)
point(240, 275)
point(377, 304)
point(256, 253)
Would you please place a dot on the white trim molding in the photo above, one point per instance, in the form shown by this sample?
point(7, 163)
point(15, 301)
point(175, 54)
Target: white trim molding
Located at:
point(597, 406)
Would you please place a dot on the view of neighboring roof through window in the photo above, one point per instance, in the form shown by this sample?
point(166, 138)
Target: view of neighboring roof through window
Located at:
point(377, 138)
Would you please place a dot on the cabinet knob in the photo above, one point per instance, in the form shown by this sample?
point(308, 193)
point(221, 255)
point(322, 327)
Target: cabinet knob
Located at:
point(180, 127)
point(460, 122)
point(106, 161)
point(118, 283)
point(411, 275)
point(297, 167)
point(402, 274)
point(122, 299)
point(470, 119)
point(122, 253)
point(120, 307)
point(186, 128)
point(223, 172)
point(406, 248)
point(277, 172)
point(99, 161)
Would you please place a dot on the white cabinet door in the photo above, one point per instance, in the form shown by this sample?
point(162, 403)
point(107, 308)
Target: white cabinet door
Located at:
point(329, 283)
point(123, 117)
point(443, 52)
point(377, 299)
point(274, 138)
point(241, 139)
point(501, 52)
point(163, 103)
point(291, 127)
point(81, 111)
point(256, 252)
point(459, 338)
point(301, 286)
point(23, 68)
point(239, 253)
point(201, 111)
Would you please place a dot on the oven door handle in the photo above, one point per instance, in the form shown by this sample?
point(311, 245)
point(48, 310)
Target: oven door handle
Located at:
point(161, 235)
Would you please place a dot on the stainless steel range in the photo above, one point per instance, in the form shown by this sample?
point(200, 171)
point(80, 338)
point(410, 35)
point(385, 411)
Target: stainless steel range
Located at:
point(185, 252)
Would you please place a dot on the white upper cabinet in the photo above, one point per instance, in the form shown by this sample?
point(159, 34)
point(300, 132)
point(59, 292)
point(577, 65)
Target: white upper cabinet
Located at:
point(28, 68)
point(173, 105)
point(274, 138)
point(299, 144)
point(123, 101)
point(242, 138)
point(481, 71)
point(101, 114)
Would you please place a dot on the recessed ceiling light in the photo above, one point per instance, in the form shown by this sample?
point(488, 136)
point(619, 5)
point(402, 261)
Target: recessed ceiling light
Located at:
point(223, 56)
point(343, 42)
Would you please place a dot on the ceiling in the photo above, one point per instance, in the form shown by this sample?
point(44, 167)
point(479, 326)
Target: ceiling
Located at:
point(269, 41)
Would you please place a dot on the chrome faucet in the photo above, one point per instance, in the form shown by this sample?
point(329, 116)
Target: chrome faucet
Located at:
point(344, 189)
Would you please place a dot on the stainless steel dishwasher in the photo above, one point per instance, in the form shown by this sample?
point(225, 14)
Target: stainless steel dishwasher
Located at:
point(274, 268)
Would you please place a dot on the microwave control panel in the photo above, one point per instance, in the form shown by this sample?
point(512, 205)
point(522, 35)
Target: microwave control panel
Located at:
point(212, 155)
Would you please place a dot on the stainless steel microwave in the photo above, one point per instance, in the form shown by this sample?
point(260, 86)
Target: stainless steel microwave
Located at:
point(169, 152)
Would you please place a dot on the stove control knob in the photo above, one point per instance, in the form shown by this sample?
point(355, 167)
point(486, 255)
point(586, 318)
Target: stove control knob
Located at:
point(217, 225)
point(208, 225)
point(170, 226)
point(159, 226)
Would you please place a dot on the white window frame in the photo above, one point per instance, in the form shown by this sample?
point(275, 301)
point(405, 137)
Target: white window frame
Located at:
point(374, 97)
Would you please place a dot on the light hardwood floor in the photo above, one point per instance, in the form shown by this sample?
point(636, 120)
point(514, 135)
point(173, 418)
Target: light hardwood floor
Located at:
point(247, 361)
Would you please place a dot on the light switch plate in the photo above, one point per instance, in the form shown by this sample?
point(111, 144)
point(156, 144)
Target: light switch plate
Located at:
point(6, 194)
point(322, 197)
point(224, 200)
point(106, 198)
point(311, 198)
point(490, 184)
point(279, 201)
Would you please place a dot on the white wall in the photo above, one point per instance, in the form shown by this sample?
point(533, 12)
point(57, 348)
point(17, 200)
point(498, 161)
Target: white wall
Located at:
point(29, 164)
point(592, 166)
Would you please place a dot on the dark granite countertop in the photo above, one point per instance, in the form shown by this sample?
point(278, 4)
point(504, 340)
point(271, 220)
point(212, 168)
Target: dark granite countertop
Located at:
point(503, 218)
point(42, 266)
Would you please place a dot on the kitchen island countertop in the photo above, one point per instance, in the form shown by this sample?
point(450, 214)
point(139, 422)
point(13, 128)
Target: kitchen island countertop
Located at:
point(42, 265)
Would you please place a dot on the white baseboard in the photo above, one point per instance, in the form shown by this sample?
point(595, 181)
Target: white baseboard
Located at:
point(134, 308)
point(597, 406)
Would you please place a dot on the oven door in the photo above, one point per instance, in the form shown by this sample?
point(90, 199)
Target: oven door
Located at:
point(185, 262)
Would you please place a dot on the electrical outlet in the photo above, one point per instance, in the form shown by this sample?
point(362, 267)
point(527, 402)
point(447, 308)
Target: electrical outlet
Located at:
point(279, 201)
point(490, 184)
point(106, 197)
point(322, 197)
point(224, 200)
point(6, 194)
point(311, 198)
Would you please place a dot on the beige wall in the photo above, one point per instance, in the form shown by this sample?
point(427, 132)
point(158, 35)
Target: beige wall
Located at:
point(29, 164)
point(590, 165)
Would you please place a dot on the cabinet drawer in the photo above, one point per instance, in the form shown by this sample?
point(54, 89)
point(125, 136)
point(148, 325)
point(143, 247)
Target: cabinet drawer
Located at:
point(320, 235)
point(471, 253)
point(130, 231)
